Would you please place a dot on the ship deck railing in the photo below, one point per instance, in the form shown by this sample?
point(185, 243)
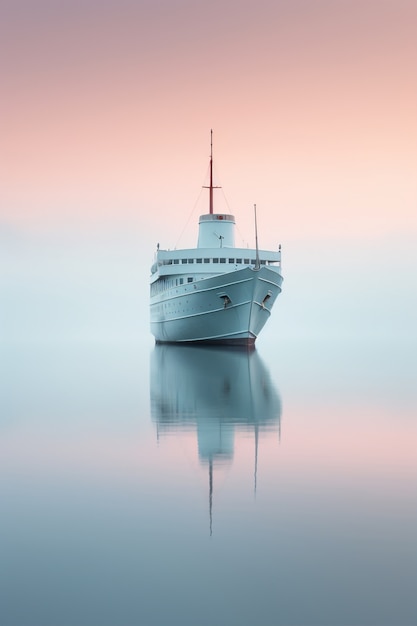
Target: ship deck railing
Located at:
point(208, 264)
point(220, 260)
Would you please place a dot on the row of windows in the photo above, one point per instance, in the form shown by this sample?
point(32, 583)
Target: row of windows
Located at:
point(214, 260)
point(166, 283)
point(180, 307)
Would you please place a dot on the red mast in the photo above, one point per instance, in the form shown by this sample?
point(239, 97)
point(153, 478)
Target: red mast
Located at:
point(211, 186)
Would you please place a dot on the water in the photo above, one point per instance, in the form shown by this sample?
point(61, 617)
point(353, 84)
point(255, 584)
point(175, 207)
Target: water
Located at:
point(165, 485)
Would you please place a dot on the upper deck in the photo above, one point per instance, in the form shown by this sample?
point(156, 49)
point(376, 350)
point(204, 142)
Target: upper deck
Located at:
point(209, 261)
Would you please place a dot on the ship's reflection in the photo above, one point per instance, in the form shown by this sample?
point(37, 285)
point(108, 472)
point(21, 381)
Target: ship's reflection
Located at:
point(216, 392)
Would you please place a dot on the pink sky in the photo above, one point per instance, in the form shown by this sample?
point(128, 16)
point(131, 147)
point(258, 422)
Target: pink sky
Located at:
point(106, 112)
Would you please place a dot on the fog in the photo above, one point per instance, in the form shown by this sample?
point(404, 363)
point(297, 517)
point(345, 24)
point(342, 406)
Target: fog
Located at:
point(71, 285)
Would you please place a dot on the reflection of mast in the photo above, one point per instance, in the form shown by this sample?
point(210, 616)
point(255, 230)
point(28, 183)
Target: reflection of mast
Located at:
point(256, 458)
point(211, 495)
point(255, 417)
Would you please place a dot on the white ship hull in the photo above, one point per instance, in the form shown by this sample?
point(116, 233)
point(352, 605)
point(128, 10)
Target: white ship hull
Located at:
point(230, 308)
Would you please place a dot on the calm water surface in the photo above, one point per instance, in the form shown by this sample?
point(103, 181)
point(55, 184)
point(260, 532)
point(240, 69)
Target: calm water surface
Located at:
point(146, 485)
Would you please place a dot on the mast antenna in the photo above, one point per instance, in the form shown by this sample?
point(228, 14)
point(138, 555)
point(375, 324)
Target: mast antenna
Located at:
point(211, 171)
point(257, 263)
point(211, 186)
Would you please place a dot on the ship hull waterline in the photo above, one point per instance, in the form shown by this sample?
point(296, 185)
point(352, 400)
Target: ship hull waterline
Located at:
point(226, 309)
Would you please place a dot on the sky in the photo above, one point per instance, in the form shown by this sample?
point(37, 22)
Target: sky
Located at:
point(105, 116)
point(107, 109)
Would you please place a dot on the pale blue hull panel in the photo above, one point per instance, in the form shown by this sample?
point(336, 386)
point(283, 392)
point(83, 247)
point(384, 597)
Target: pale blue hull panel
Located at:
point(227, 308)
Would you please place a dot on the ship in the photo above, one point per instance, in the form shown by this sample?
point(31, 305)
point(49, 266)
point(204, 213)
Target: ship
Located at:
point(216, 293)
